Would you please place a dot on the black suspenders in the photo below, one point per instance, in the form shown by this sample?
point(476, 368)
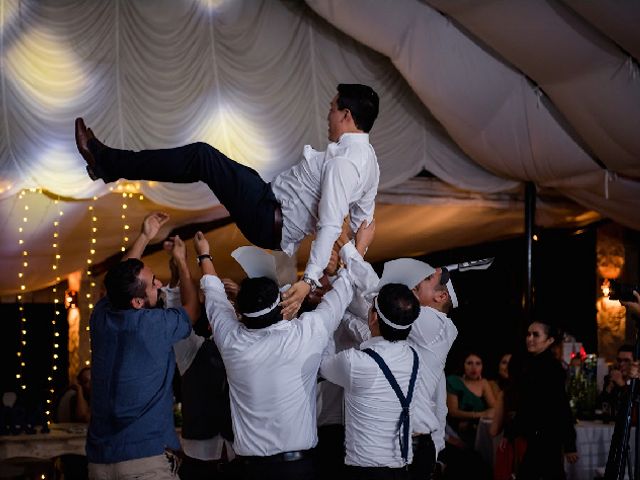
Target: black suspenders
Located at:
point(403, 423)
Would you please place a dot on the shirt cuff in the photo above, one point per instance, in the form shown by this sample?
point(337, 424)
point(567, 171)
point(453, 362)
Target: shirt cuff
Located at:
point(211, 281)
point(314, 273)
point(348, 251)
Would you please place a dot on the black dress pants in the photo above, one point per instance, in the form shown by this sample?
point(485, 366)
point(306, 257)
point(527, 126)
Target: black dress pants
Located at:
point(376, 473)
point(297, 470)
point(248, 198)
point(542, 460)
point(424, 458)
point(329, 453)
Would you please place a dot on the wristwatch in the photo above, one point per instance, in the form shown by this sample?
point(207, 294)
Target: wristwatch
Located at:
point(204, 256)
point(309, 281)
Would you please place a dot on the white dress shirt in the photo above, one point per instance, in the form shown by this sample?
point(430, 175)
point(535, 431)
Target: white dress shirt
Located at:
point(351, 332)
point(317, 194)
point(186, 351)
point(432, 334)
point(272, 371)
point(372, 409)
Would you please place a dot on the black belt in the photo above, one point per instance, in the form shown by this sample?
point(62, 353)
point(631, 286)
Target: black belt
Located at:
point(416, 439)
point(277, 458)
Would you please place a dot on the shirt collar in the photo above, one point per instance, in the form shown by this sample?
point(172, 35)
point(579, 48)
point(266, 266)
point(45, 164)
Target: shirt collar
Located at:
point(348, 138)
point(372, 341)
point(433, 311)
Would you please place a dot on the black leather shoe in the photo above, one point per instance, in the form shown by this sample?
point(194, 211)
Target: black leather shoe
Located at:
point(83, 136)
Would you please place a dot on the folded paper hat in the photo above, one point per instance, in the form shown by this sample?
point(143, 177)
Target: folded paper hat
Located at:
point(257, 263)
point(409, 272)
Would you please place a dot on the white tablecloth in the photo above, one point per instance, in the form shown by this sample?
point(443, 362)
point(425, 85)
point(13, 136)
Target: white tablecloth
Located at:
point(593, 440)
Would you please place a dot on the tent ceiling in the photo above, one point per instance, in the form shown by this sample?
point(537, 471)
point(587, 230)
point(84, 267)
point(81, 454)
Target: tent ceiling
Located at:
point(552, 98)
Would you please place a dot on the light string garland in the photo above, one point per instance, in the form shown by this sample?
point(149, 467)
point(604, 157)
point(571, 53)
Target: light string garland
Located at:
point(55, 321)
point(93, 243)
point(125, 225)
point(130, 190)
point(23, 205)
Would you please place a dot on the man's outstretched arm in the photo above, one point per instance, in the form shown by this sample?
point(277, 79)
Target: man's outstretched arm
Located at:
point(188, 292)
point(339, 180)
point(150, 227)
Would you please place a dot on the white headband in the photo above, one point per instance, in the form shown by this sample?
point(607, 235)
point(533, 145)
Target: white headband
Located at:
point(264, 311)
point(386, 320)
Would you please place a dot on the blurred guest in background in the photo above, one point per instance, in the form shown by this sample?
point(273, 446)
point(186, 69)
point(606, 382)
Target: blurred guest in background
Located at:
point(469, 398)
point(499, 384)
point(615, 384)
point(74, 406)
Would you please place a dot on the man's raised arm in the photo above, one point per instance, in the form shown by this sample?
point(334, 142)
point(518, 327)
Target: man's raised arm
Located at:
point(150, 227)
point(188, 292)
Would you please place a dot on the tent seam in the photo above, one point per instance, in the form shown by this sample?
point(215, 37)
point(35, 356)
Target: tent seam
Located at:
point(118, 80)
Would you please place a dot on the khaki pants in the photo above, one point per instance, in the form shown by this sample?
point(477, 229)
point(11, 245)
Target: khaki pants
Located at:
point(160, 467)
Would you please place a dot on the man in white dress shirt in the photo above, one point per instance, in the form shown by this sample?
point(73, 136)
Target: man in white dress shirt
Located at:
point(206, 436)
point(272, 366)
point(379, 381)
point(313, 196)
point(432, 335)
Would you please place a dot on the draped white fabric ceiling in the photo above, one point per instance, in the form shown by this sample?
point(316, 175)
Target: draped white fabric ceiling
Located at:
point(484, 95)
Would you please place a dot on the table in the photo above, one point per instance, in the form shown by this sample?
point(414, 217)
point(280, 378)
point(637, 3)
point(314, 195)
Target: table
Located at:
point(593, 440)
point(64, 438)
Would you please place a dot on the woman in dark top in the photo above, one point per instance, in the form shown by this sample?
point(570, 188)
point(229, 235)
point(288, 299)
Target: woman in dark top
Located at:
point(542, 417)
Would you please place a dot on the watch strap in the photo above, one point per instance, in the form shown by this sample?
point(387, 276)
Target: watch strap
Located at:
point(203, 257)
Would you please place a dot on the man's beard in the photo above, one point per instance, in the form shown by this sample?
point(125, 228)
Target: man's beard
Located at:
point(159, 302)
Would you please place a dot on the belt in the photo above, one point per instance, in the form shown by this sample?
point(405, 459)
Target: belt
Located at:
point(415, 439)
point(277, 458)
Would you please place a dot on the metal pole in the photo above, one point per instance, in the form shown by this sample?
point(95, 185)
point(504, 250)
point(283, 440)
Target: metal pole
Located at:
point(529, 223)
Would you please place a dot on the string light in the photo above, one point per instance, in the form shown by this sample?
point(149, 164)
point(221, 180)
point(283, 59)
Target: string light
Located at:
point(55, 321)
point(125, 225)
point(23, 206)
point(128, 190)
point(93, 244)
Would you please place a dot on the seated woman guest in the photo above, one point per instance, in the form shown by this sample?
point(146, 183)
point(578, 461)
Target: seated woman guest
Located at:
point(469, 398)
point(499, 384)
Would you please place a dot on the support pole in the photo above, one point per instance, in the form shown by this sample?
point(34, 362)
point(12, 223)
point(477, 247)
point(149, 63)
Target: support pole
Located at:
point(529, 224)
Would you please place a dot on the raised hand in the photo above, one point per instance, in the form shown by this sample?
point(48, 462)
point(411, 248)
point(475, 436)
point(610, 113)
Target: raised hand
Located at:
point(365, 236)
point(179, 251)
point(293, 298)
point(153, 222)
point(201, 244)
point(231, 288)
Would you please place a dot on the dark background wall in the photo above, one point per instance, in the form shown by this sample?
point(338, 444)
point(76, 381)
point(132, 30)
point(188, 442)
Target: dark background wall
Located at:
point(37, 353)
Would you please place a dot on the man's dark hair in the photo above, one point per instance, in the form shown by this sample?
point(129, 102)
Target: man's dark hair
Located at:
point(256, 294)
point(398, 304)
point(362, 101)
point(123, 284)
point(628, 348)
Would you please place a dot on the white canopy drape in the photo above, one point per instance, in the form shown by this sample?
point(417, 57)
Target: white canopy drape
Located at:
point(552, 100)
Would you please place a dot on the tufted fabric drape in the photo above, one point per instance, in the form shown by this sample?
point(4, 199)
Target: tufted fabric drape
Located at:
point(481, 107)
